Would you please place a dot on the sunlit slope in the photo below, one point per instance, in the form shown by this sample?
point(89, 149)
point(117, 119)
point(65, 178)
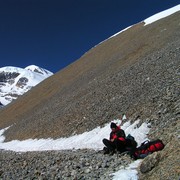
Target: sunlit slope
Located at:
point(128, 73)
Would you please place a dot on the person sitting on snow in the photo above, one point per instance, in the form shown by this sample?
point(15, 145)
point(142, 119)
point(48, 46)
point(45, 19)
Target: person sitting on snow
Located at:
point(116, 141)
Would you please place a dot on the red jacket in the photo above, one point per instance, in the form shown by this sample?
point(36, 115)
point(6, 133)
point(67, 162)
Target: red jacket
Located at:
point(118, 134)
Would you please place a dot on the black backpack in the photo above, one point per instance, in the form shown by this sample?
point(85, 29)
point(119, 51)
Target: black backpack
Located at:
point(131, 143)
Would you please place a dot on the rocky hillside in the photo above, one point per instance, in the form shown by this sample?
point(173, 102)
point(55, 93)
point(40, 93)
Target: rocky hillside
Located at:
point(135, 72)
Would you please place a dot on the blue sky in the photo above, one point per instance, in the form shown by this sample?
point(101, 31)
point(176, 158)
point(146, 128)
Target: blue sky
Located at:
point(54, 33)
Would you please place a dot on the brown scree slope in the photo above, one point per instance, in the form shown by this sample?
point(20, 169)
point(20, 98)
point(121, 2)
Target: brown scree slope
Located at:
point(125, 74)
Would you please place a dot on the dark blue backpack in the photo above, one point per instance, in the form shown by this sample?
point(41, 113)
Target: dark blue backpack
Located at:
point(131, 143)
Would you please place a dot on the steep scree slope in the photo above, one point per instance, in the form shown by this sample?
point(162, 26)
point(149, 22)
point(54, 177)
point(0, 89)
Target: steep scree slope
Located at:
point(135, 72)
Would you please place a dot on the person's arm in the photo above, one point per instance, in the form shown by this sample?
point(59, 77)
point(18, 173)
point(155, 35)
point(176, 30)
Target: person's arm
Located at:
point(110, 136)
point(113, 136)
point(121, 135)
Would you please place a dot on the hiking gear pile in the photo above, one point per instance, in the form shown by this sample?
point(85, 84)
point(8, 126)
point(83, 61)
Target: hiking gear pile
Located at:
point(146, 148)
point(118, 142)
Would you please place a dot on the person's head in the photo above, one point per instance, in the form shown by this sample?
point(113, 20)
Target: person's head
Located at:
point(113, 126)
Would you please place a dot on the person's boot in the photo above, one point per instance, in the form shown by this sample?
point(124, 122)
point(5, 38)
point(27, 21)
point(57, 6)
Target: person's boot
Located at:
point(106, 150)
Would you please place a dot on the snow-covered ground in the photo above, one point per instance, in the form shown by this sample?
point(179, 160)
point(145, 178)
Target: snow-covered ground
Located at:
point(91, 140)
point(162, 14)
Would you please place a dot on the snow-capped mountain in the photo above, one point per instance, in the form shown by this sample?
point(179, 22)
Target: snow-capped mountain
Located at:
point(15, 81)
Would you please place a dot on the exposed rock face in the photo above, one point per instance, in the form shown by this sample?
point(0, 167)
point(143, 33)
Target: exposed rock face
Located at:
point(22, 82)
point(136, 73)
point(150, 162)
point(8, 77)
point(1, 105)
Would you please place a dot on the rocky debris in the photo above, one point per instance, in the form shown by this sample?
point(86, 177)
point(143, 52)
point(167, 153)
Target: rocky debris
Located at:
point(75, 164)
point(163, 164)
point(150, 162)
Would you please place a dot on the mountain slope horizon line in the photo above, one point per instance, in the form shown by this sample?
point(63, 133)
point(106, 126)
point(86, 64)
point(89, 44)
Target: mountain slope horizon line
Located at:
point(5, 97)
point(94, 84)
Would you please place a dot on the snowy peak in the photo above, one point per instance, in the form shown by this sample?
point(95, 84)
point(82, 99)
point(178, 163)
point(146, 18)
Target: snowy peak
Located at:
point(37, 69)
point(15, 81)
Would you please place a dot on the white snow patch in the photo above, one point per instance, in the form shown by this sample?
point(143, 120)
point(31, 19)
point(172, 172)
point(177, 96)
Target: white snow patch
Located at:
point(91, 140)
point(162, 14)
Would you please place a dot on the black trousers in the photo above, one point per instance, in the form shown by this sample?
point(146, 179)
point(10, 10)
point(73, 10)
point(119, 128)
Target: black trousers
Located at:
point(115, 145)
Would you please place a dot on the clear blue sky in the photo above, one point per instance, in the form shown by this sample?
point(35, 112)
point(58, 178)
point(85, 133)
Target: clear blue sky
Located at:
point(54, 33)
